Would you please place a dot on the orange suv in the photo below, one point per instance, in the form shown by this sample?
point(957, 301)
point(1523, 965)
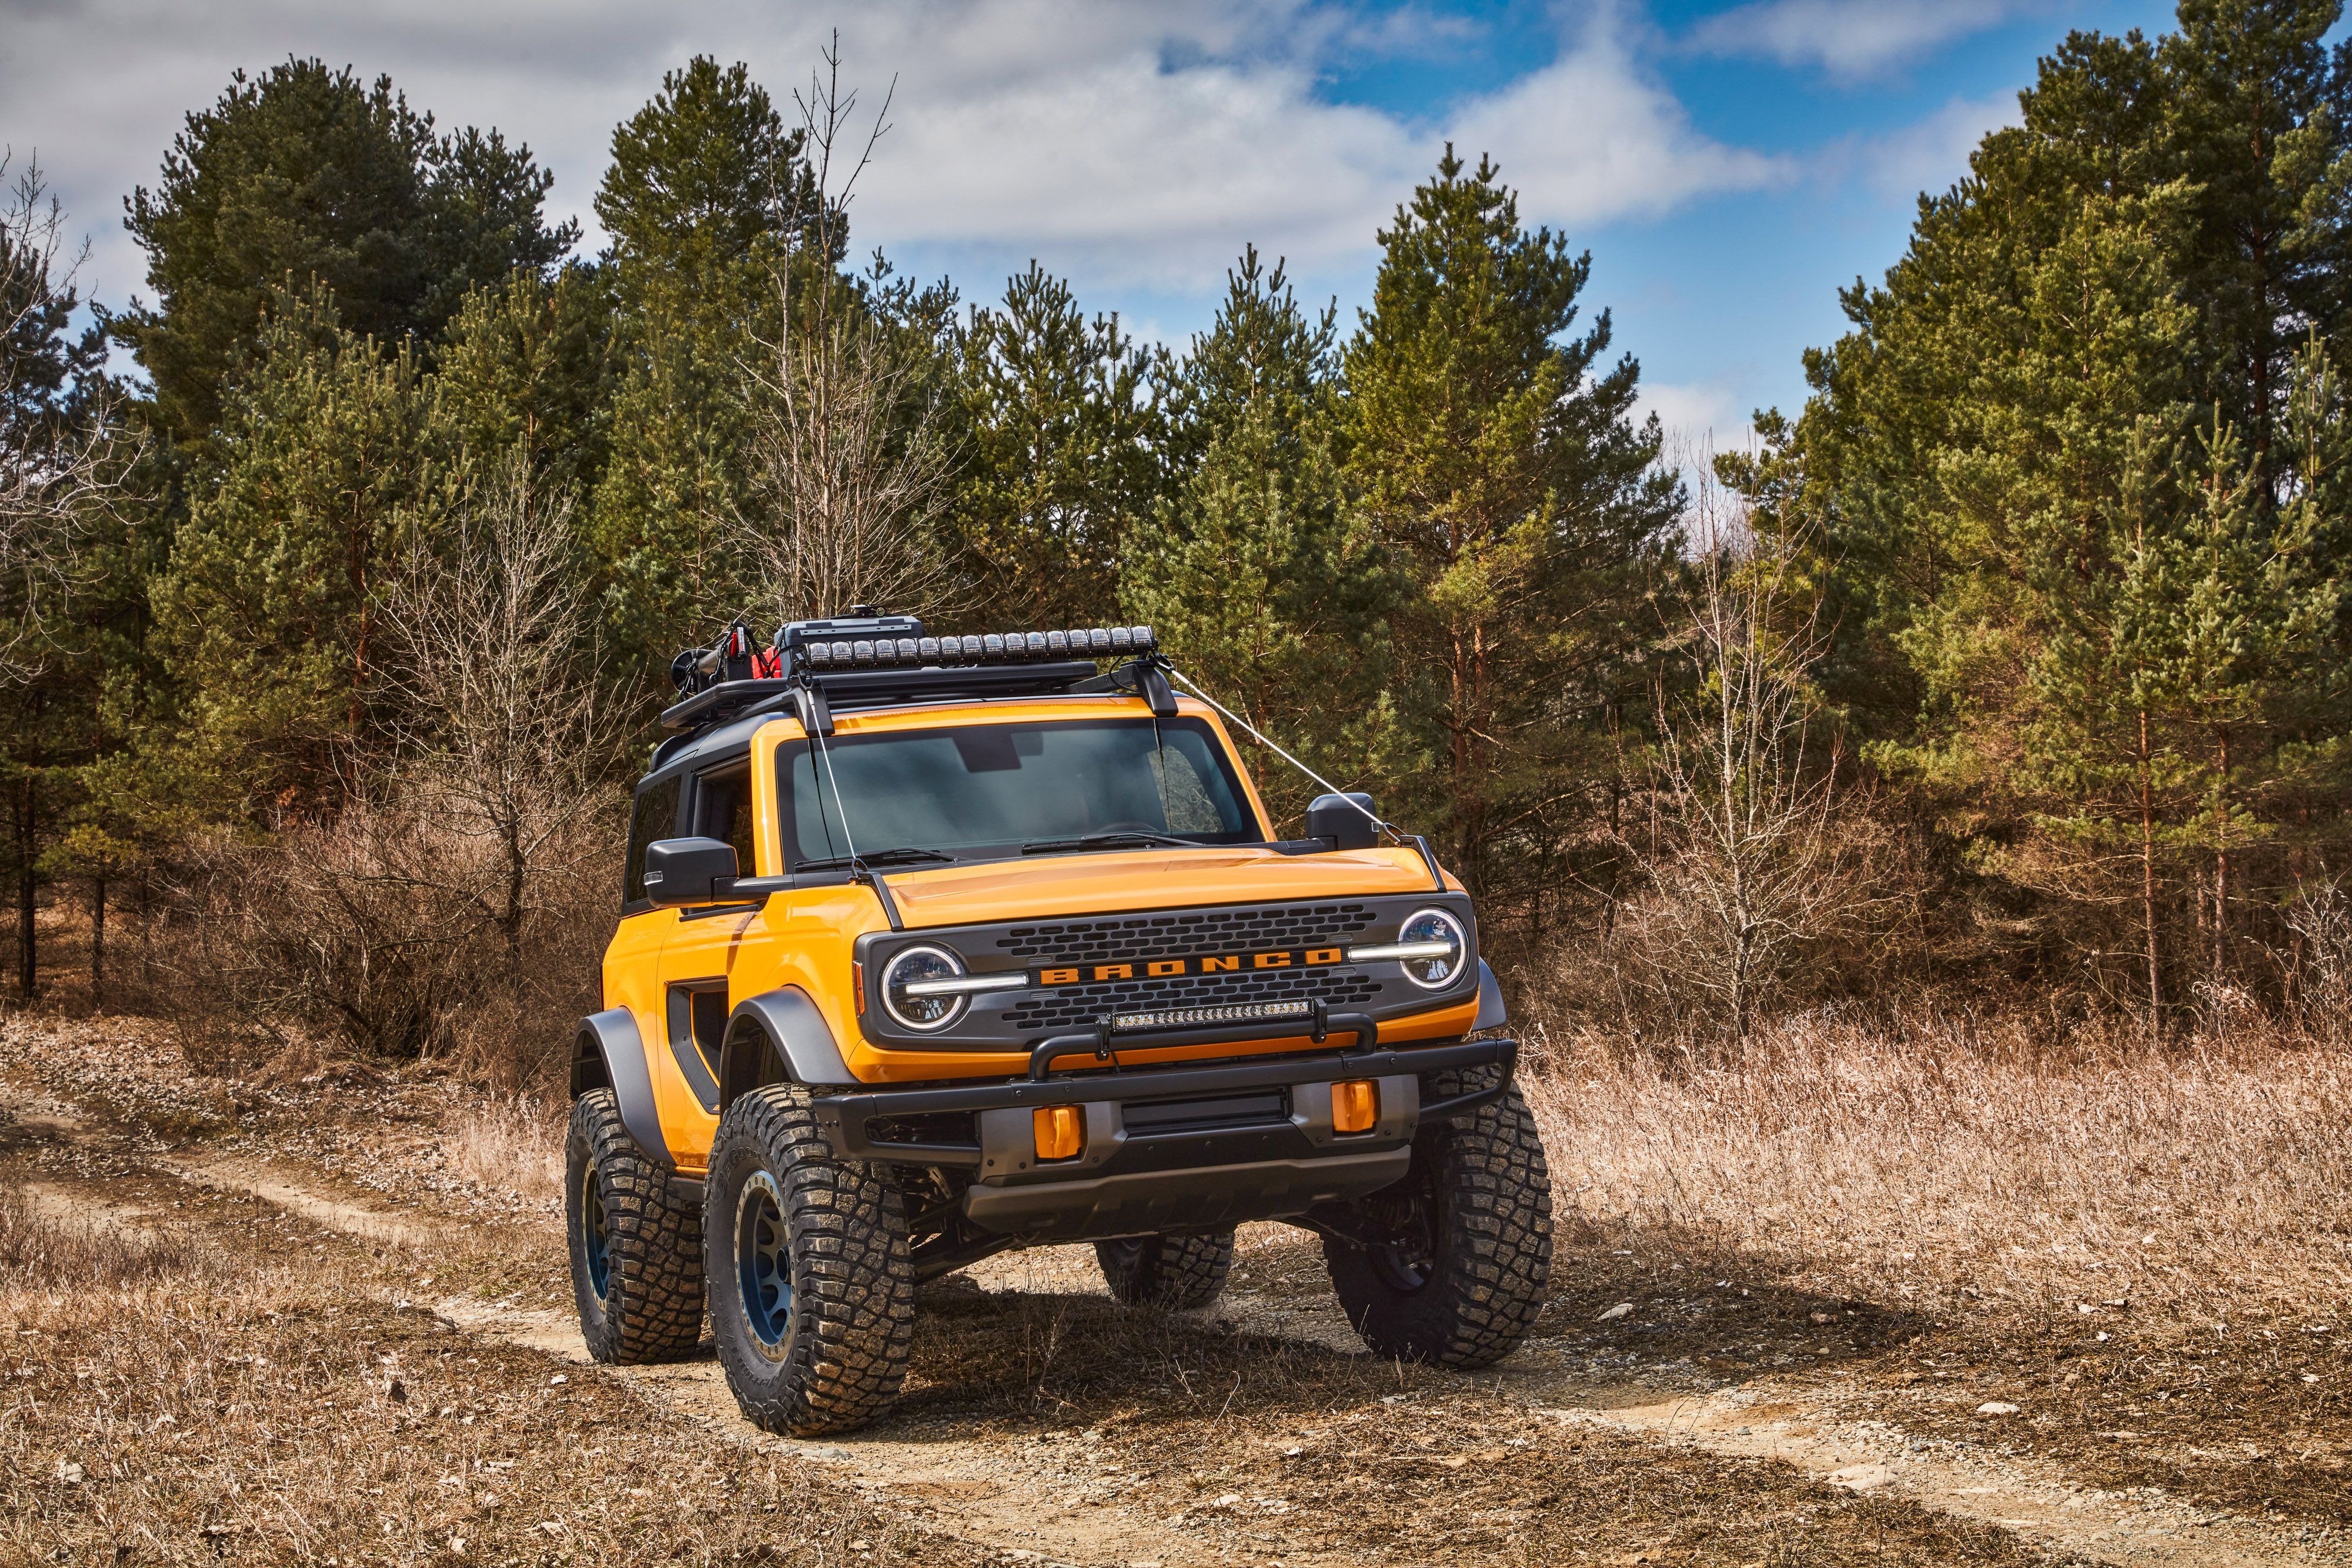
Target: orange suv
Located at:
point(935, 947)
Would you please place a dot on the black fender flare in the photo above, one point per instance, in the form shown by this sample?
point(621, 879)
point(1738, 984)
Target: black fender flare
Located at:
point(1492, 1014)
point(778, 1036)
point(610, 1054)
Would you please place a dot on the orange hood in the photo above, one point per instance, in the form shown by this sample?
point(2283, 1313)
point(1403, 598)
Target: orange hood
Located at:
point(1110, 882)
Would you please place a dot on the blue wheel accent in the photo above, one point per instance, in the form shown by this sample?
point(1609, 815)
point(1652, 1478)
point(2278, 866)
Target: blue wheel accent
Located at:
point(595, 1241)
point(764, 1264)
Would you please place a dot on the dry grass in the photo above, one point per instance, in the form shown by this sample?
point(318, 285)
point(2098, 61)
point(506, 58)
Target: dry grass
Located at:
point(515, 1144)
point(243, 1390)
point(2145, 1252)
point(2203, 1181)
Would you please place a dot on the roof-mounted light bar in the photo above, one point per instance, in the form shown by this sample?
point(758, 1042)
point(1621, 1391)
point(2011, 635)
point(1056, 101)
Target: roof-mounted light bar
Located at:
point(993, 648)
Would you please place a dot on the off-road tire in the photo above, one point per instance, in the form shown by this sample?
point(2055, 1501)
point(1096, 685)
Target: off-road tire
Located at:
point(650, 1261)
point(832, 1355)
point(1173, 1273)
point(1477, 1208)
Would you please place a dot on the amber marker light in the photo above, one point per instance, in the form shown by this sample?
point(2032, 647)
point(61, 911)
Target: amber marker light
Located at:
point(857, 985)
point(1355, 1107)
point(1061, 1131)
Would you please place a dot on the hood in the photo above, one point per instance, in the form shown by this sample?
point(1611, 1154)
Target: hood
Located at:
point(1113, 881)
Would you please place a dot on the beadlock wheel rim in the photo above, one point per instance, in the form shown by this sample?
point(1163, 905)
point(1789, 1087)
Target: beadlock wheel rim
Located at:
point(764, 1264)
point(595, 1247)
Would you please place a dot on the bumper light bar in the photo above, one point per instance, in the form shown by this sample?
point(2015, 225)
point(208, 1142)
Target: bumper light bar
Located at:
point(1186, 1017)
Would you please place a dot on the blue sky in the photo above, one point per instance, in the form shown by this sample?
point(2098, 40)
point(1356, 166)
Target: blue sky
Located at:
point(1729, 166)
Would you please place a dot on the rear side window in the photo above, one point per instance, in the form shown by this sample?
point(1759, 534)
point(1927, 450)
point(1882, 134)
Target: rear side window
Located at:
point(722, 810)
point(655, 818)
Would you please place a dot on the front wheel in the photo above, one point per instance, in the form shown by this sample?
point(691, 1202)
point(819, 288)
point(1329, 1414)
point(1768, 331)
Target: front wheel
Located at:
point(1460, 1273)
point(811, 1280)
point(1174, 1273)
point(637, 1271)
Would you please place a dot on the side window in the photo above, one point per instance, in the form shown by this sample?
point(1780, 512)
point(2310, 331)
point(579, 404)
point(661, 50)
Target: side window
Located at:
point(655, 818)
point(722, 810)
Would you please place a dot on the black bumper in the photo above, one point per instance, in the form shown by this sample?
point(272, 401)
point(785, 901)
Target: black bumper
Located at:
point(1168, 1148)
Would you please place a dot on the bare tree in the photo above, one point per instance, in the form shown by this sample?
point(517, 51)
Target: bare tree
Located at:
point(1748, 862)
point(511, 732)
point(61, 451)
point(850, 457)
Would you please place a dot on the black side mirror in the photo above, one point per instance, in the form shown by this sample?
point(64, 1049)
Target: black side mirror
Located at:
point(1337, 819)
point(687, 870)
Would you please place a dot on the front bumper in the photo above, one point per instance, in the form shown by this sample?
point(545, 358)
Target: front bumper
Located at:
point(1194, 1147)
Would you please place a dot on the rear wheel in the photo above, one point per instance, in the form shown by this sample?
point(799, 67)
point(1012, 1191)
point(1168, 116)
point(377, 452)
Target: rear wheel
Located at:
point(812, 1286)
point(1464, 1249)
point(637, 1260)
point(1174, 1273)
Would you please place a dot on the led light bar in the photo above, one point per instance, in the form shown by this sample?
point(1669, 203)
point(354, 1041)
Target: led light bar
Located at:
point(880, 653)
point(1381, 950)
point(1184, 1018)
point(966, 985)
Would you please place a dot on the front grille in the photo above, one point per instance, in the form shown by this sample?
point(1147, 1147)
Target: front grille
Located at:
point(1069, 1005)
point(1115, 939)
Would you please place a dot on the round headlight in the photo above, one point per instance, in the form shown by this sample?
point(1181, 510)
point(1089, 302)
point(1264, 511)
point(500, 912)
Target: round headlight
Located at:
point(1436, 925)
point(913, 967)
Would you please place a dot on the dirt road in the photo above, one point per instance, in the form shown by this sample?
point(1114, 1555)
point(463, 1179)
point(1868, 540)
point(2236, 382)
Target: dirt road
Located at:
point(1040, 1423)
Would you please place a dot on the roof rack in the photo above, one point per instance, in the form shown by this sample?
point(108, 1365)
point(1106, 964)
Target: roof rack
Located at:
point(884, 661)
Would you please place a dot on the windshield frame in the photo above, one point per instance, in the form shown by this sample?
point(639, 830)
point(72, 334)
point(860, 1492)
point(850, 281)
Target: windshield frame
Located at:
point(789, 751)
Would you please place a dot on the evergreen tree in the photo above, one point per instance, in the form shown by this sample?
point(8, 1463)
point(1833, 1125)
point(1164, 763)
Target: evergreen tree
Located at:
point(707, 199)
point(304, 175)
point(271, 605)
point(1251, 573)
point(1502, 476)
point(2076, 585)
point(1064, 431)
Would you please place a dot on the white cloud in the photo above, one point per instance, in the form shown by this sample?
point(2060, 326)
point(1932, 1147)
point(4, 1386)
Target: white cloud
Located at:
point(1850, 38)
point(1129, 143)
point(1699, 419)
point(1590, 138)
point(1932, 153)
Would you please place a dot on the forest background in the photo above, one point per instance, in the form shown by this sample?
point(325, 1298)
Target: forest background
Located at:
point(2007, 677)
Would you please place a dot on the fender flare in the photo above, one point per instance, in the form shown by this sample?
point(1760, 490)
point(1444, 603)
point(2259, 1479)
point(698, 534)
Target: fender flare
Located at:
point(778, 1035)
point(610, 1054)
point(1492, 1014)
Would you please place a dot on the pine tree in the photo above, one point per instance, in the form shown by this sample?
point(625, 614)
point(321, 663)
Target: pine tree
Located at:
point(1064, 433)
point(707, 199)
point(271, 604)
point(2076, 584)
point(305, 175)
point(1251, 573)
point(1502, 474)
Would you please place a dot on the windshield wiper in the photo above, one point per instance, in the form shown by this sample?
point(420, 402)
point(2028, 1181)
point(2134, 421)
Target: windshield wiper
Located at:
point(1111, 841)
point(903, 856)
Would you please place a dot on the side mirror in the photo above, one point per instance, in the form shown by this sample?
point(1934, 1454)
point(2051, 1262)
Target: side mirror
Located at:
point(1337, 819)
point(687, 870)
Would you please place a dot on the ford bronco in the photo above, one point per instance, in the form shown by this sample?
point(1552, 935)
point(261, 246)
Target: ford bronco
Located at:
point(936, 946)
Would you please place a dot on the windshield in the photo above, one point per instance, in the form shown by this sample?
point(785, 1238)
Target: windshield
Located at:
point(993, 789)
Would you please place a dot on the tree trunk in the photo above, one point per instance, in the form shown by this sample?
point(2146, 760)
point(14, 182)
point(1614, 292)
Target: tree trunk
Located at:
point(2221, 863)
point(26, 886)
point(97, 944)
point(2147, 882)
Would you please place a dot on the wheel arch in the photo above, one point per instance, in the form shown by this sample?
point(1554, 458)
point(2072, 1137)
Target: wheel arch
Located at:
point(609, 1053)
point(1492, 1014)
point(778, 1037)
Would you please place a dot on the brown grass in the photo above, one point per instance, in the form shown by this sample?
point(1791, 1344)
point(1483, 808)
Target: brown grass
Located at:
point(2208, 1180)
point(2144, 1251)
point(512, 1144)
point(235, 1393)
